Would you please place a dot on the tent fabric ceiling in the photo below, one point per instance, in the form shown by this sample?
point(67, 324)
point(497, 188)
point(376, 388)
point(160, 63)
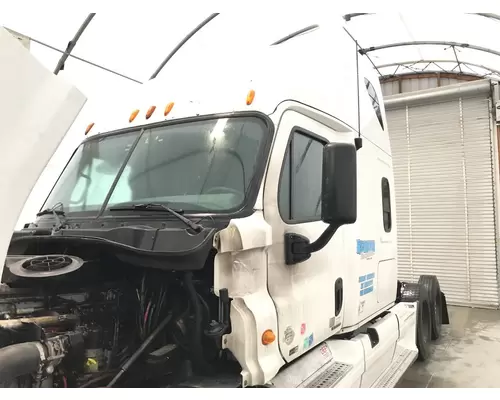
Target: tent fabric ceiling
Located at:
point(135, 49)
point(135, 45)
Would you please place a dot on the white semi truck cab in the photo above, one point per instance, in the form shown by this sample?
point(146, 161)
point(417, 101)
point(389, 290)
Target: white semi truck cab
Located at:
point(236, 229)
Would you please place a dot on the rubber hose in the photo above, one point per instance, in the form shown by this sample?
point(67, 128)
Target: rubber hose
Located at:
point(141, 349)
point(198, 312)
point(18, 360)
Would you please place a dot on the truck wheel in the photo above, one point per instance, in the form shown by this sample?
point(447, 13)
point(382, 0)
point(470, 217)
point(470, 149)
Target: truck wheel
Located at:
point(424, 329)
point(431, 284)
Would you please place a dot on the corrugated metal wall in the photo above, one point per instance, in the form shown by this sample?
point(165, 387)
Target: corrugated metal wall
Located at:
point(442, 146)
point(404, 84)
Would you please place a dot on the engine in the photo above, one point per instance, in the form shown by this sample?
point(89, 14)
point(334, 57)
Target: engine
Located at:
point(65, 322)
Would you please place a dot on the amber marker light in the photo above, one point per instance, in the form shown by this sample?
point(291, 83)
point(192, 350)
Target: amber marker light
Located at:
point(133, 115)
point(268, 337)
point(250, 97)
point(168, 108)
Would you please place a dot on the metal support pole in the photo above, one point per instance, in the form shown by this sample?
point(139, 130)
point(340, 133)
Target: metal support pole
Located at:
point(430, 42)
point(72, 43)
point(177, 48)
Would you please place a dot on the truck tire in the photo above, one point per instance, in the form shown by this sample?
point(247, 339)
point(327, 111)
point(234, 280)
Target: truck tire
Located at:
point(431, 284)
point(424, 325)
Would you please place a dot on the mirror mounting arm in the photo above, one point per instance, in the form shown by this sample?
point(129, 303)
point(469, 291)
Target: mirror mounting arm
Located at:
point(323, 240)
point(299, 249)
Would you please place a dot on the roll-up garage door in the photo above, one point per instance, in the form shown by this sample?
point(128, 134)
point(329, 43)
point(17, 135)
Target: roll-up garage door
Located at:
point(442, 147)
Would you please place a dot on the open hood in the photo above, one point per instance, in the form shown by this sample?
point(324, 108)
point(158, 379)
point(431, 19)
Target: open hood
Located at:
point(37, 108)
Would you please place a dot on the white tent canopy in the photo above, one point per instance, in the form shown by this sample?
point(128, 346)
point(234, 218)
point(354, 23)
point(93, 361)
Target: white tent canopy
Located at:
point(134, 45)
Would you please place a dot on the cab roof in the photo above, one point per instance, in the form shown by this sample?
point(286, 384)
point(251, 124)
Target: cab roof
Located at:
point(316, 68)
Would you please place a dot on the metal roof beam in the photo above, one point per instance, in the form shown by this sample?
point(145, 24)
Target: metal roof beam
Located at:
point(296, 33)
point(348, 17)
point(182, 43)
point(428, 74)
point(488, 15)
point(472, 70)
point(430, 42)
point(456, 57)
point(72, 43)
point(440, 67)
point(403, 63)
point(77, 58)
point(359, 47)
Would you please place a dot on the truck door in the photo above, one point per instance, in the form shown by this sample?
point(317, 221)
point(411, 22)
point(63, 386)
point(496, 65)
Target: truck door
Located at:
point(304, 294)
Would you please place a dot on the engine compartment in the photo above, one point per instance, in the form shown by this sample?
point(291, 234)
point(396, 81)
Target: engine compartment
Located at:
point(66, 322)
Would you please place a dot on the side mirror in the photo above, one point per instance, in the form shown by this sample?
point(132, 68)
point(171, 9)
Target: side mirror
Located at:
point(338, 201)
point(338, 192)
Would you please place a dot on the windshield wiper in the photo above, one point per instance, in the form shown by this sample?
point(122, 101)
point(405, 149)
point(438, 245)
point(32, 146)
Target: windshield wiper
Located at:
point(156, 207)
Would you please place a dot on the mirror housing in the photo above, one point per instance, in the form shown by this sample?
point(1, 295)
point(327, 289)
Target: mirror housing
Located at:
point(338, 191)
point(338, 200)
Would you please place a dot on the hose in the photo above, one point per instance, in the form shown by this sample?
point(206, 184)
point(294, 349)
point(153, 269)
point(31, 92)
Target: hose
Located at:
point(51, 320)
point(140, 350)
point(18, 360)
point(198, 312)
point(96, 379)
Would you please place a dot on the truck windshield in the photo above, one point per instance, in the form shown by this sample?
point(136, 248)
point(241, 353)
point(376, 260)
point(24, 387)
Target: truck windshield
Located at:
point(202, 166)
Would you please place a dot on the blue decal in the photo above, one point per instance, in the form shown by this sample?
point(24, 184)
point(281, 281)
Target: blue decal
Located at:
point(365, 247)
point(366, 284)
point(366, 291)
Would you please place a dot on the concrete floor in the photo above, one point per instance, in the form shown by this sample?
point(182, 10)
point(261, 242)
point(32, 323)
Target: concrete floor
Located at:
point(466, 356)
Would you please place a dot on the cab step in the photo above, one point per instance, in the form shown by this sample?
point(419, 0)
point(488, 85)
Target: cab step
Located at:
point(403, 359)
point(332, 374)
